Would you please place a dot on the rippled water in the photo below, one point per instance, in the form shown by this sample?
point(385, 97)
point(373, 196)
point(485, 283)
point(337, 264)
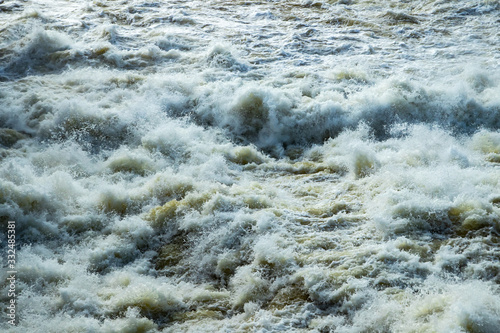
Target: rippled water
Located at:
point(251, 166)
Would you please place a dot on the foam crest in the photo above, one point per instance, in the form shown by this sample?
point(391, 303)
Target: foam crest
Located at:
point(40, 51)
point(272, 116)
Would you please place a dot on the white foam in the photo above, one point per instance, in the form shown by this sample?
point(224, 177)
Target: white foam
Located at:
point(309, 166)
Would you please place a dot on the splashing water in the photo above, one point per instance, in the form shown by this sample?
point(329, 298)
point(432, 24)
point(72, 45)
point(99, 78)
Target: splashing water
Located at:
point(251, 166)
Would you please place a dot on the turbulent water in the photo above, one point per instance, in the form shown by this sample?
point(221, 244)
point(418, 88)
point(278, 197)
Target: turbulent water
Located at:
point(251, 166)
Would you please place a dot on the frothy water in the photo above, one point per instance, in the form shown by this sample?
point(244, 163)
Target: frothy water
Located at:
point(251, 166)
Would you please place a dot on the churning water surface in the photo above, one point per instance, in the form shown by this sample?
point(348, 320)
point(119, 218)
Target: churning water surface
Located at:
point(251, 166)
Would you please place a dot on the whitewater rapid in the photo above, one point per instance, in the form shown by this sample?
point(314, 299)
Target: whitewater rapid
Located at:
point(251, 166)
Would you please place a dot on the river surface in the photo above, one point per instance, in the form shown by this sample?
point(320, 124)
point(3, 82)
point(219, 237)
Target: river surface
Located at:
point(251, 166)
